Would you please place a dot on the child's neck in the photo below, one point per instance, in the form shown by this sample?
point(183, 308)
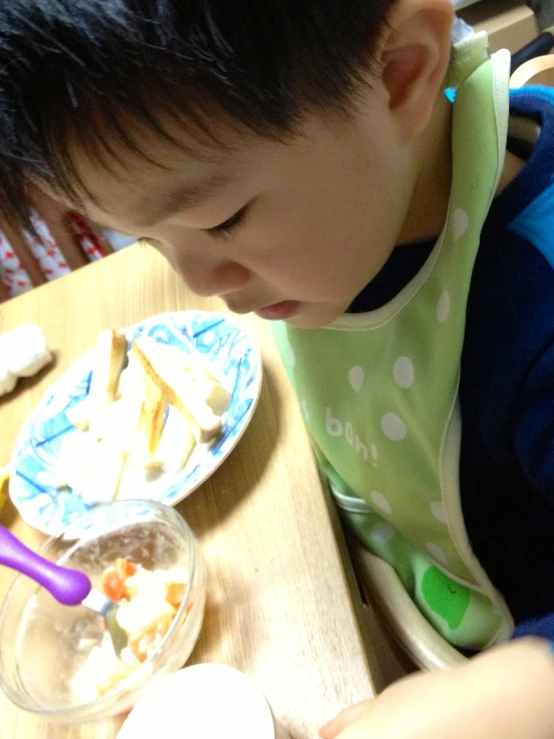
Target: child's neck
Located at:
point(429, 204)
point(428, 208)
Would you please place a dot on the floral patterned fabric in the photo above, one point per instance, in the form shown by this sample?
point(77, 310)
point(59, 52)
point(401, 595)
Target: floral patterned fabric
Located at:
point(47, 253)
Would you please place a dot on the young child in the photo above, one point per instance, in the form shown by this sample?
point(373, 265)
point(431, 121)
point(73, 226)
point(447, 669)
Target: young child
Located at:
point(300, 159)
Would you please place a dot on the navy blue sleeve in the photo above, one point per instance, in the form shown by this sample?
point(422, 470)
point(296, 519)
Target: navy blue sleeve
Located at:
point(543, 627)
point(534, 447)
point(534, 426)
point(507, 385)
point(507, 401)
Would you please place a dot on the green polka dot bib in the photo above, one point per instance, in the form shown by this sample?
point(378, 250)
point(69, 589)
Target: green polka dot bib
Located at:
point(379, 390)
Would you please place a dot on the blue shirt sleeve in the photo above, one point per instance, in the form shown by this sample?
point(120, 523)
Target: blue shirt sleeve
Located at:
point(534, 425)
point(534, 446)
point(543, 627)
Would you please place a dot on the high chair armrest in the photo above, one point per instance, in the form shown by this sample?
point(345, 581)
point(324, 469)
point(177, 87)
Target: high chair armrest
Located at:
point(383, 588)
point(536, 71)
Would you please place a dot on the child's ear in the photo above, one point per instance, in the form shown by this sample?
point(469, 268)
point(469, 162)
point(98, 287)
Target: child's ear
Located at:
point(414, 57)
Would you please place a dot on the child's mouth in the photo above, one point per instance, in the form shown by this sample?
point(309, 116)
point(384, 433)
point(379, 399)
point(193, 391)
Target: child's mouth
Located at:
point(279, 311)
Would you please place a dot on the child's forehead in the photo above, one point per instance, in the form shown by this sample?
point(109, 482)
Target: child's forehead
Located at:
point(155, 148)
point(132, 180)
point(187, 192)
point(166, 163)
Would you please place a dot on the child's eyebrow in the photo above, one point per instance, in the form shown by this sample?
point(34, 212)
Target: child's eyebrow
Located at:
point(183, 196)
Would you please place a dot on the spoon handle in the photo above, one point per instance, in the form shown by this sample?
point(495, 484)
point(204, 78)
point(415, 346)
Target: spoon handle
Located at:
point(68, 587)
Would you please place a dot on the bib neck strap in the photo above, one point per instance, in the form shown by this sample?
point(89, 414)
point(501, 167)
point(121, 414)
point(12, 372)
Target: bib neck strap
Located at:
point(466, 56)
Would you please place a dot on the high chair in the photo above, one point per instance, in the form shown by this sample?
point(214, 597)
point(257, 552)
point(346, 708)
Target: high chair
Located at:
point(537, 71)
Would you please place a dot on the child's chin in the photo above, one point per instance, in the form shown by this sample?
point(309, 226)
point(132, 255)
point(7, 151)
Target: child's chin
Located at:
point(314, 316)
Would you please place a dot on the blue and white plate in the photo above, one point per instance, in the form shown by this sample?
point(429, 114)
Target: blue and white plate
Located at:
point(34, 477)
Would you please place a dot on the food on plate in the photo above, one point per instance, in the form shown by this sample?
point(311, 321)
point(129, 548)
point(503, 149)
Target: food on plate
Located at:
point(109, 359)
point(177, 443)
point(148, 408)
point(179, 388)
point(151, 418)
point(93, 468)
point(148, 602)
point(79, 414)
point(209, 385)
point(23, 353)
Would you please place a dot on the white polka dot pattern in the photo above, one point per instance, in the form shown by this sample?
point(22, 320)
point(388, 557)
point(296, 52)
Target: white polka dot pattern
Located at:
point(393, 427)
point(443, 307)
point(460, 223)
point(356, 377)
point(438, 511)
point(436, 552)
point(379, 500)
point(403, 372)
point(382, 533)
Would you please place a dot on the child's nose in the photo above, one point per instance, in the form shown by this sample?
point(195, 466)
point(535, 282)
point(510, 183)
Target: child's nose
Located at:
point(207, 276)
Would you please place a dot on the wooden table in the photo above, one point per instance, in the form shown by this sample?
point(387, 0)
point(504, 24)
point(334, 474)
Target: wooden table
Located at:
point(282, 604)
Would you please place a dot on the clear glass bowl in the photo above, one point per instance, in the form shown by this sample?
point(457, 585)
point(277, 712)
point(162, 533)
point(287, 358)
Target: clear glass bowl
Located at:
point(42, 643)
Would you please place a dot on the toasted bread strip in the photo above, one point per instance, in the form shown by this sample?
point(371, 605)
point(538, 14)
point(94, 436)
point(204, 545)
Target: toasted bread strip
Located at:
point(210, 386)
point(180, 389)
point(151, 418)
point(177, 442)
point(111, 351)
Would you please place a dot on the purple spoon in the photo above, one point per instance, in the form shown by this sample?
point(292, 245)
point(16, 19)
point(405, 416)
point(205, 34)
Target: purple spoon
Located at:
point(69, 587)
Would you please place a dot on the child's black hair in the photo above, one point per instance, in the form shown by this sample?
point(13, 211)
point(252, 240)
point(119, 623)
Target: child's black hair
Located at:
point(74, 70)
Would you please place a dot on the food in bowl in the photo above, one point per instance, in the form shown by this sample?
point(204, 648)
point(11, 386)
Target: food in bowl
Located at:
point(43, 644)
point(148, 602)
point(147, 408)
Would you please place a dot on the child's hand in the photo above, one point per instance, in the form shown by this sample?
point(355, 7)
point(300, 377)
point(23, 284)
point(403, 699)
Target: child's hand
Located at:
point(423, 706)
point(507, 693)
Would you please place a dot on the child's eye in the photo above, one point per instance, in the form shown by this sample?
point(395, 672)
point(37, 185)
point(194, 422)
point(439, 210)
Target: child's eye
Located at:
point(229, 225)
